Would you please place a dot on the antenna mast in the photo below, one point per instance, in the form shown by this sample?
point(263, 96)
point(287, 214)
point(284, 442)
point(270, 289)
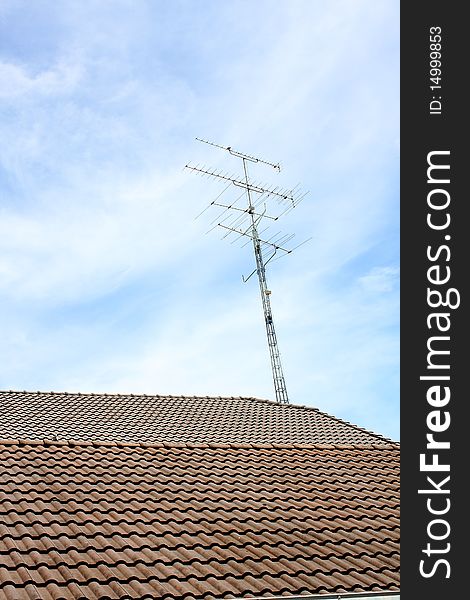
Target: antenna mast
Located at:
point(252, 215)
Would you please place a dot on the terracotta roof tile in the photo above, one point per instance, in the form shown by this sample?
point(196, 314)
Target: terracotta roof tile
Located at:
point(203, 521)
point(178, 419)
point(185, 497)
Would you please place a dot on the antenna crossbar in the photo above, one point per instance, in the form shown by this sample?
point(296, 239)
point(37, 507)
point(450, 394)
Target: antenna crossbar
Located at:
point(244, 210)
point(244, 233)
point(285, 195)
point(240, 154)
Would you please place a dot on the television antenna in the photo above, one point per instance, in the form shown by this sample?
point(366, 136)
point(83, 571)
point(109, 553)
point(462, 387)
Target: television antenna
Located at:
point(243, 222)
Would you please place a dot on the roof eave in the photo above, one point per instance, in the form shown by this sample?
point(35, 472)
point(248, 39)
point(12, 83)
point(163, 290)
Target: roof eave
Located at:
point(336, 596)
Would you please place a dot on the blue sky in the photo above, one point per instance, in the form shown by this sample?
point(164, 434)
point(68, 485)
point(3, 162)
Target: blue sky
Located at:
point(107, 281)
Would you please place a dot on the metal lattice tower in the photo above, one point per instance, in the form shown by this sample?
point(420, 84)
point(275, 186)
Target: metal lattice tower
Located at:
point(252, 215)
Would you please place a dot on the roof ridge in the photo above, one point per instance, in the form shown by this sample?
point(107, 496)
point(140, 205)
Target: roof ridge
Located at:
point(133, 395)
point(192, 445)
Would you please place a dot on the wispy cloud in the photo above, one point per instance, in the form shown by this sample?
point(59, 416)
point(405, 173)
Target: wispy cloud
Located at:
point(16, 82)
point(380, 279)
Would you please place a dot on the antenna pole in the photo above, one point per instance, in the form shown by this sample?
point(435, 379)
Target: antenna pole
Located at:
point(278, 375)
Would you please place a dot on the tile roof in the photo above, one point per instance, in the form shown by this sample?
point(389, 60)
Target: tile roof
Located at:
point(144, 418)
point(86, 520)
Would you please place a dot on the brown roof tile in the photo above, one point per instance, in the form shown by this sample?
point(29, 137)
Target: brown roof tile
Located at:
point(134, 418)
point(196, 522)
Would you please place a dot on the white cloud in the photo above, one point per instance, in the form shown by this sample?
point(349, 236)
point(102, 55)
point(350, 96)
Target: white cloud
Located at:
point(79, 250)
point(380, 279)
point(15, 81)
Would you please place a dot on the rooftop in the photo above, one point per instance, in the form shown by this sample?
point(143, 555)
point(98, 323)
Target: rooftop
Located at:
point(152, 418)
point(197, 521)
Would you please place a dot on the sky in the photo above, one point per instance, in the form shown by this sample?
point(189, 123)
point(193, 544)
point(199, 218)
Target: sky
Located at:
point(109, 283)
